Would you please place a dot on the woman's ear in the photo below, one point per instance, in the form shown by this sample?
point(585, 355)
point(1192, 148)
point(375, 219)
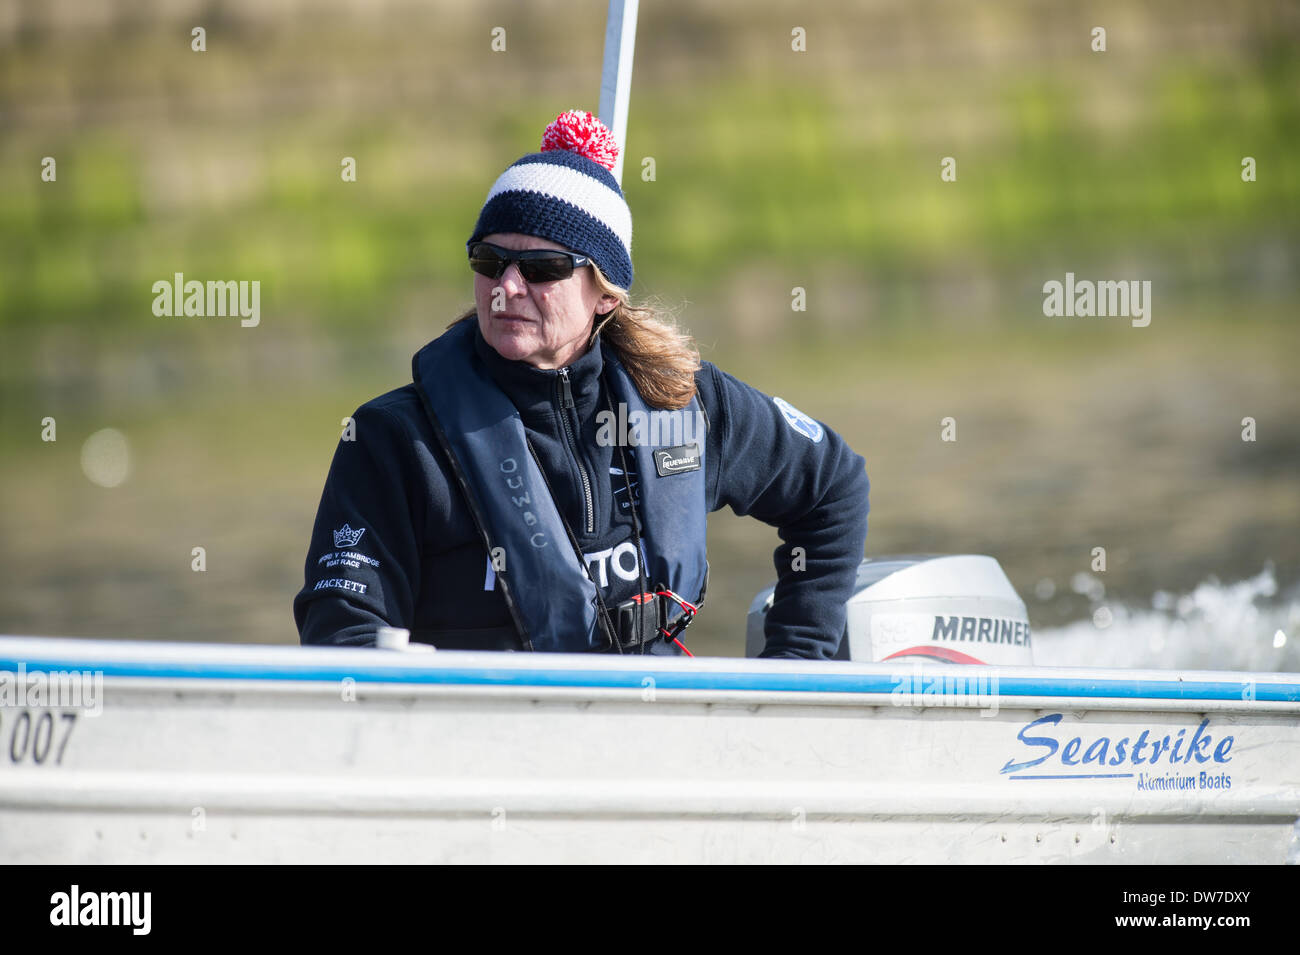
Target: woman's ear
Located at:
point(606, 304)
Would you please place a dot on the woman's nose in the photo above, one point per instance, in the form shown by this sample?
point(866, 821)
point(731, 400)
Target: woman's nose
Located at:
point(512, 280)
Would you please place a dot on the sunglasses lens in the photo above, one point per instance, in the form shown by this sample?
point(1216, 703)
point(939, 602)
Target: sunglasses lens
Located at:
point(535, 265)
point(485, 261)
point(546, 267)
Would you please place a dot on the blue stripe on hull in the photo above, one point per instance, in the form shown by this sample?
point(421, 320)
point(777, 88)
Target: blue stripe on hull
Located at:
point(783, 682)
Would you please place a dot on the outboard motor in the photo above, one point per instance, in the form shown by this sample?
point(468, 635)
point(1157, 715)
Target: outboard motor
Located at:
point(950, 609)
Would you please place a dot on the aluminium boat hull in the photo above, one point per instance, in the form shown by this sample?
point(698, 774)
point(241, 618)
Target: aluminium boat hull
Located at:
point(211, 754)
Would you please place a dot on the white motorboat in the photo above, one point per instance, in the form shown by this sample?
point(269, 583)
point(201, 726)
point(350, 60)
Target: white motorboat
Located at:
point(114, 751)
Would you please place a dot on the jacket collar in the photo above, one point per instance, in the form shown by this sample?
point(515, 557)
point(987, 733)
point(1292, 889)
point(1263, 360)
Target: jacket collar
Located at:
point(536, 389)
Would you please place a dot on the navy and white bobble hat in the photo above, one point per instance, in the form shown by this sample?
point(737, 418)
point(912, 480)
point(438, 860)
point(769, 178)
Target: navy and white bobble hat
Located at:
point(566, 193)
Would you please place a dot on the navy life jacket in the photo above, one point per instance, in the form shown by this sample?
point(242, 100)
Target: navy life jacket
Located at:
point(544, 578)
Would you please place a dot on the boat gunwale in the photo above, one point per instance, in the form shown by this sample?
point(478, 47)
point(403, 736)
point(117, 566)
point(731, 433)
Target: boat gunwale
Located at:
point(906, 683)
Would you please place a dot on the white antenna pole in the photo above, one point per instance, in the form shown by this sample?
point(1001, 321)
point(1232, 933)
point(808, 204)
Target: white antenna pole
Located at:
point(616, 75)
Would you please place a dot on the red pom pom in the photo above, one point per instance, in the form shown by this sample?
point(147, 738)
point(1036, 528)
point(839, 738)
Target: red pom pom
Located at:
point(580, 132)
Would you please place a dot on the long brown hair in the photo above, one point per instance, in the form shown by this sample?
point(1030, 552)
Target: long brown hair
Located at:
point(660, 357)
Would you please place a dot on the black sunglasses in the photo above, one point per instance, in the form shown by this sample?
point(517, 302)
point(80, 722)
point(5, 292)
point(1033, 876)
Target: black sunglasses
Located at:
point(535, 265)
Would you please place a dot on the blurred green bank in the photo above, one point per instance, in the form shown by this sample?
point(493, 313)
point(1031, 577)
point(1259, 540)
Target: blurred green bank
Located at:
point(752, 171)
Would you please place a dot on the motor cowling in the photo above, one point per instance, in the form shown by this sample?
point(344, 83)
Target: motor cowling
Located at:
point(957, 609)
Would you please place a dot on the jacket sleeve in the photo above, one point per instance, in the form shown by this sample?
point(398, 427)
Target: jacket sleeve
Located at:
point(807, 482)
point(363, 564)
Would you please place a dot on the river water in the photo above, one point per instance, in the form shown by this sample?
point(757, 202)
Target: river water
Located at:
point(1251, 624)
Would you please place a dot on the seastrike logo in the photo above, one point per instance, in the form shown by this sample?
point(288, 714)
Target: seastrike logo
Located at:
point(1107, 757)
point(345, 536)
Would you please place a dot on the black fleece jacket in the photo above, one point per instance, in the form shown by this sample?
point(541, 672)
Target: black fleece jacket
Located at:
point(419, 562)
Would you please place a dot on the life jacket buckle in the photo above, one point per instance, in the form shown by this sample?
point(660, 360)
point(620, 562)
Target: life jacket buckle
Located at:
point(650, 616)
point(639, 620)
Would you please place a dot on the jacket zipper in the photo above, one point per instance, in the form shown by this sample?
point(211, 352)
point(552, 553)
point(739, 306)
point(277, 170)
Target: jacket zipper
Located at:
point(566, 402)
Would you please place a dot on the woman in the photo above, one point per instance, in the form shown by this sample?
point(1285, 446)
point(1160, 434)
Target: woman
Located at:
point(544, 482)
